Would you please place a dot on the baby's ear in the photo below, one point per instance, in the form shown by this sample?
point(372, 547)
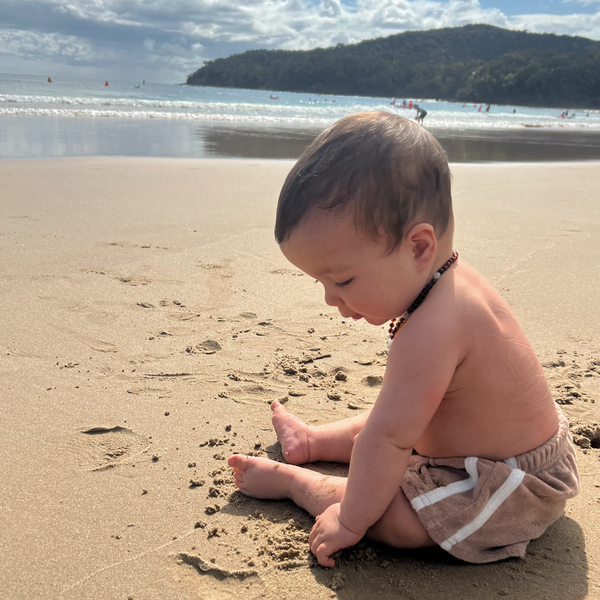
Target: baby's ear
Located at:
point(423, 244)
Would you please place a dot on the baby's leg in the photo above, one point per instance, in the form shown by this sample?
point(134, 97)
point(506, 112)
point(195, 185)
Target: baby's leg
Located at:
point(262, 478)
point(302, 443)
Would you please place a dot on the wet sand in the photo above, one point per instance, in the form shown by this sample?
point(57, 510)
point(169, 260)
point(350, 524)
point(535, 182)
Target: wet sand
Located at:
point(461, 145)
point(56, 137)
point(148, 321)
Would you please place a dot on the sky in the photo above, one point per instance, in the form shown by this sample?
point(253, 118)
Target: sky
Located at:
point(163, 41)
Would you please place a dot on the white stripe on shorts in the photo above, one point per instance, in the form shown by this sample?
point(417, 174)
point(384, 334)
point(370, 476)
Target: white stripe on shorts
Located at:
point(441, 493)
point(498, 497)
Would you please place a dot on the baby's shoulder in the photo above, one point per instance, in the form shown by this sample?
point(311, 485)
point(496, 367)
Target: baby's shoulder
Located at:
point(466, 305)
point(474, 296)
point(460, 311)
point(482, 315)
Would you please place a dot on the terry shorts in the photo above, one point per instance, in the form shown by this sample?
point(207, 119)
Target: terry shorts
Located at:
point(482, 510)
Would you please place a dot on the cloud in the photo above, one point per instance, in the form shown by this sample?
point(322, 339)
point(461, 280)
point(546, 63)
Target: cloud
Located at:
point(176, 36)
point(582, 2)
point(27, 44)
point(584, 25)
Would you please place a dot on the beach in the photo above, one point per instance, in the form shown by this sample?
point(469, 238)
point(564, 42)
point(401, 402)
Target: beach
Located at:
point(149, 319)
point(76, 118)
point(36, 136)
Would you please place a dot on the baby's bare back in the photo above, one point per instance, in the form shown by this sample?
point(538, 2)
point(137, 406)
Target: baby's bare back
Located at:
point(498, 403)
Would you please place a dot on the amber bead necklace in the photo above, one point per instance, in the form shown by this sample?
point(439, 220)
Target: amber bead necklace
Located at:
point(396, 324)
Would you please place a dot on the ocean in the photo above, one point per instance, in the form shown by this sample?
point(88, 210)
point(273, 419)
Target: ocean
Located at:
point(61, 117)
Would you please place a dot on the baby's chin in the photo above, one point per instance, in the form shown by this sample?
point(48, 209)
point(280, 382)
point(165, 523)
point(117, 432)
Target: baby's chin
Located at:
point(370, 320)
point(375, 321)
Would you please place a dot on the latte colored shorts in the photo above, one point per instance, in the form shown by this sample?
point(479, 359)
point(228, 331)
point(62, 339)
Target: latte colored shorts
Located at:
point(483, 510)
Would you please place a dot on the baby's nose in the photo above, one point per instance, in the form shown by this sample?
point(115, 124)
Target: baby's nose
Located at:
point(332, 299)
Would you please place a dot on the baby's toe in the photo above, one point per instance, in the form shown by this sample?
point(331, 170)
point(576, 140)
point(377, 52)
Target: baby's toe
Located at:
point(238, 462)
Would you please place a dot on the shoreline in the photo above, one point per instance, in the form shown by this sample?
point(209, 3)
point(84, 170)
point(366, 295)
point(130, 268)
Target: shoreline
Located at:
point(27, 137)
point(150, 319)
point(281, 161)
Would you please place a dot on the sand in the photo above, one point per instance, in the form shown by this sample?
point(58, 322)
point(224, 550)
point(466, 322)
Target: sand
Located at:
point(32, 136)
point(148, 320)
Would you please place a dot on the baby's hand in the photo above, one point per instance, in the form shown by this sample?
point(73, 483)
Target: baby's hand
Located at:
point(329, 535)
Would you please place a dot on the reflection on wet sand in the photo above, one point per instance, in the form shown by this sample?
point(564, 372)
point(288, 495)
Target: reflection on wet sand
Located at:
point(255, 142)
point(517, 145)
point(56, 137)
point(461, 145)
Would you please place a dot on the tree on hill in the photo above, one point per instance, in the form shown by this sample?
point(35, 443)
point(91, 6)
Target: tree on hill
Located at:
point(476, 63)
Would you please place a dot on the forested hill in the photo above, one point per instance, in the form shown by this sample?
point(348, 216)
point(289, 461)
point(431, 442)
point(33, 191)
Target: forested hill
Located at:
point(477, 63)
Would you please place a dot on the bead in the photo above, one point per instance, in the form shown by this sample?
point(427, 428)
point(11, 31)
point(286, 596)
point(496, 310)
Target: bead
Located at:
point(396, 326)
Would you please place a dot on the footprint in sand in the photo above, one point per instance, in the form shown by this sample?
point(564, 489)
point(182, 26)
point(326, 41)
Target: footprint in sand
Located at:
point(206, 347)
point(98, 345)
point(129, 245)
point(129, 279)
point(216, 571)
point(93, 343)
point(373, 380)
point(291, 272)
point(101, 448)
point(248, 315)
point(132, 280)
point(145, 391)
point(252, 392)
point(218, 269)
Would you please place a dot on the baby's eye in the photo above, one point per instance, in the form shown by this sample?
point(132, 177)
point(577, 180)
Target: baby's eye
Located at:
point(344, 283)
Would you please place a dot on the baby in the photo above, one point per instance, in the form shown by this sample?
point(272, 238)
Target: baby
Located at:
point(464, 447)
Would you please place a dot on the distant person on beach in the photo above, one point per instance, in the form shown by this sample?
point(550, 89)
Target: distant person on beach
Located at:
point(464, 447)
point(421, 114)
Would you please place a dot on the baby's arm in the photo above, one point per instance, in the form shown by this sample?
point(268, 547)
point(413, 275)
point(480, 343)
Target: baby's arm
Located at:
point(376, 471)
point(420, 367)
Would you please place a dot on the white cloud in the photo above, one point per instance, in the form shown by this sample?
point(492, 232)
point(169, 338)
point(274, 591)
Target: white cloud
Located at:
point(577, 24)
point(582, 2)
point(179, 34)
point(315, 25)
point(27, 44)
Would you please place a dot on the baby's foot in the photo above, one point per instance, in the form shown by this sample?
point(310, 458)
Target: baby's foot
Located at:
point(292, 434)
point(261, 477)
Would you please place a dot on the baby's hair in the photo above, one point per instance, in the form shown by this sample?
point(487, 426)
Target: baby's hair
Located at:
point(383, 168)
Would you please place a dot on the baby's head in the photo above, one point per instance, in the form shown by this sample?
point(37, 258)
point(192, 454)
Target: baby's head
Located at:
point(384, 170)
point(364, 211)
